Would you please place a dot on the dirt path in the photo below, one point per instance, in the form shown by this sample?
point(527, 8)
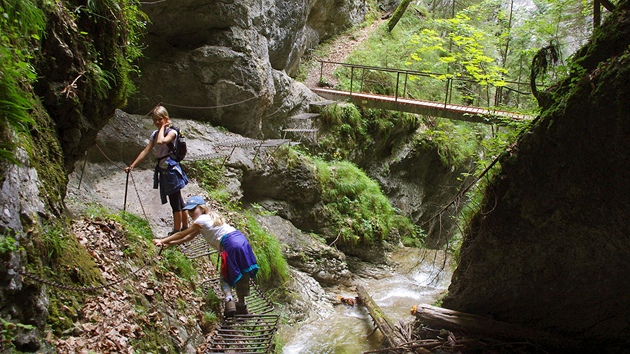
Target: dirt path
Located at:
point(338, 51)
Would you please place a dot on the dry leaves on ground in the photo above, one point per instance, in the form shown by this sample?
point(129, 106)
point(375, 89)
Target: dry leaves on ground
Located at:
point(110, 321)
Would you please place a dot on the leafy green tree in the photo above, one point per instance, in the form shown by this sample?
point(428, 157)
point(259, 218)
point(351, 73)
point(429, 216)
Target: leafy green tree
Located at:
point(465, 48)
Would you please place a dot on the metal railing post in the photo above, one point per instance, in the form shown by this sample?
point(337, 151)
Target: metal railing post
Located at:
point(351, 79)
point(397, 80)
point(362, 78)
point(321, 72)
point(447, 91)
point(405, 88)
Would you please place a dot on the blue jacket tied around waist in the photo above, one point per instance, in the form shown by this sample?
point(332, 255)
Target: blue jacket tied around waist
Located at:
point(170, 180)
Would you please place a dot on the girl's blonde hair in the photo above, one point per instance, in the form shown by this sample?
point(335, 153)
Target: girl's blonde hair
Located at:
point(159, 112)
point(218, 218)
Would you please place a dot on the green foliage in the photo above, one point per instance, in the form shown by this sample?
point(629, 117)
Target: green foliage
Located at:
point(207, 173)
point(356, 207)
point(127, 22)
point(102, 80)
point(210, 317)
point(211, 299)
point(468, 50)
point(55, 242)
point(8, 332)
point(480, 47)
point(456, 142)
point(7, 245)
point(272, 265)
point(344, 132)
point(134, 224)
point(349, 134)
point(173, 260)
point(21, 24)
point(336, 115)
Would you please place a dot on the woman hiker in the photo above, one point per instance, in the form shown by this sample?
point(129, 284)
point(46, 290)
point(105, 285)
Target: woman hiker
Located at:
point(168, 174)
point(238, 262)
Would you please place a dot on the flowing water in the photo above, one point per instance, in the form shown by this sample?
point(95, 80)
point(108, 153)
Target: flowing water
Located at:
point(417, 277)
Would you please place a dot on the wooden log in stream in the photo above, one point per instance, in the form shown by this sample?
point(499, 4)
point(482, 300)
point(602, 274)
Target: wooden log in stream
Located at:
point(479, 326)
point(389, 331)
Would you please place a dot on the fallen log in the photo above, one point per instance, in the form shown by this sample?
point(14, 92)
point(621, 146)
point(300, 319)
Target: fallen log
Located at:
point(389, 332)
point(474, 325)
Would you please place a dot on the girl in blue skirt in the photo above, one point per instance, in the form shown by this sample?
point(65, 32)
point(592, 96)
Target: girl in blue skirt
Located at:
point(238, 260)
point(168, 174)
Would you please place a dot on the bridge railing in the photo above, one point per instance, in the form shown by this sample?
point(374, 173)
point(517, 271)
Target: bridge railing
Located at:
point(510, 93)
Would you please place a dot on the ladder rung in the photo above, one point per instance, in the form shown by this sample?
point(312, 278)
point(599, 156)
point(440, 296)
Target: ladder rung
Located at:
point(305, 116)
point(240, 143)
point(295, 130)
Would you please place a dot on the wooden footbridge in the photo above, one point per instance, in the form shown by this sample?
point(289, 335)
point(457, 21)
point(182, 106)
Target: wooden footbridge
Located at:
point(399, 79)
point(429, 108)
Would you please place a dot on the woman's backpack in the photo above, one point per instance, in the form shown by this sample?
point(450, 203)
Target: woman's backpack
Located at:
point(179, 149)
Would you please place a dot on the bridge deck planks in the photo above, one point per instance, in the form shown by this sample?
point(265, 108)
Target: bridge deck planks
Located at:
point(436, 109)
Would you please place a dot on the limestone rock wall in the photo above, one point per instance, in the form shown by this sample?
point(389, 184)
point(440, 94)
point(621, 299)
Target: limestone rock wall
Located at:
point(230, 62)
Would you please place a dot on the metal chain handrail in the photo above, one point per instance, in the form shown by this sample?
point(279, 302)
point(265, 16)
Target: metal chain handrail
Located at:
point(70, 287)
point(88, 288)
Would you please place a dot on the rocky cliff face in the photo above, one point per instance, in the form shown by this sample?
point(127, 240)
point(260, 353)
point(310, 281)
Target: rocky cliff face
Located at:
point(549, 247)
point(229, 62)
point(81, 70)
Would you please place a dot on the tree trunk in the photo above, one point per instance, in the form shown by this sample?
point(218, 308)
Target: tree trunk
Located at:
point(393, 338)
point(400, 11)
point(474, 325)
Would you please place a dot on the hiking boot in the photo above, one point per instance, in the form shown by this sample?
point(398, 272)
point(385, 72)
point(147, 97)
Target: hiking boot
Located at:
point(230, 309)
point(173, 232)
point(241, 309)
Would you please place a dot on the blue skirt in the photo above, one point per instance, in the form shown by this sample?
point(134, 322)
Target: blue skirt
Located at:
point(170, 180)
point(238, 258)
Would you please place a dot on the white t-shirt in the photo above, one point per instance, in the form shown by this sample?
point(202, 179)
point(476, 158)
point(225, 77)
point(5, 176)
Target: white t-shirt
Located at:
point(211, 233)
point(162, 151)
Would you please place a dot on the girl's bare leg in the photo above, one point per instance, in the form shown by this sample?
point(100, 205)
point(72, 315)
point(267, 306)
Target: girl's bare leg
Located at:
point(177, 221)
point(184, 217)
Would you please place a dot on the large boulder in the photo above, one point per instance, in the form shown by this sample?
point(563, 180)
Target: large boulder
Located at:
point(231, 61)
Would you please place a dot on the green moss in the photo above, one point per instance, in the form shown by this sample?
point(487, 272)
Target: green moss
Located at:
point(47, 158)
point(357, 208)
point(273, 266)
point(207, 173)
point(54, 254)
point(343, 132)
point(173, 260)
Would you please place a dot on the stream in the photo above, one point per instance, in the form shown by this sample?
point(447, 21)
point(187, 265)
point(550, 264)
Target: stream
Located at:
point(415, 276)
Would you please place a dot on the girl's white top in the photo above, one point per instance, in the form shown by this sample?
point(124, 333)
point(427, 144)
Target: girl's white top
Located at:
point(211, 233)
point(162, 151)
